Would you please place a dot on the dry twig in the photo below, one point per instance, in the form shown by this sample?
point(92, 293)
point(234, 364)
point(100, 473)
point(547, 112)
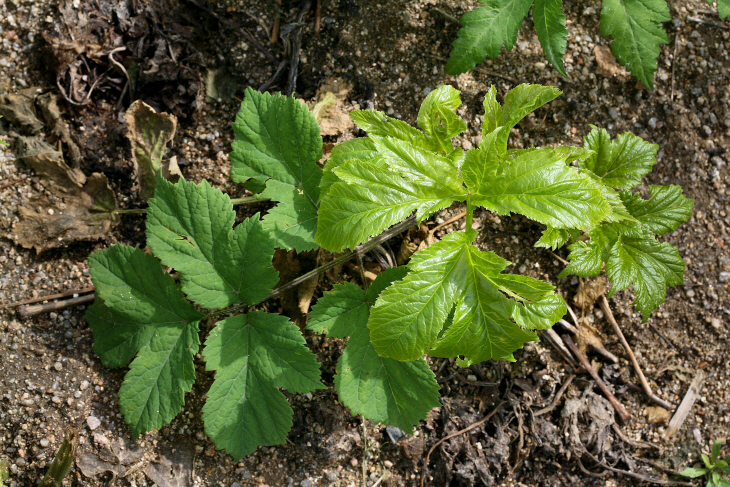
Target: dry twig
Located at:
point(560, 393)
point(49, 298)
point(683, 410)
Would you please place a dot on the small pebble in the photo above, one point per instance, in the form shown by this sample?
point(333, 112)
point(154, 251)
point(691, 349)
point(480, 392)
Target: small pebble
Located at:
point(353, 462)
point(100, 439)
point(306, 483)
point(724, 277)
point(45, 442)
point(388, 464)
point(93, 422)
point(84, 385)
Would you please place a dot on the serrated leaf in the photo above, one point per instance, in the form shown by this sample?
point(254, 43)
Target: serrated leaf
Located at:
point(142, 311)
point(408, 318)
point(649, 265)
point(538, 185)
point(381, 389)
point(586, 258)
point(663, 212)
point(437, 119)
point(189, 227)
point(621, 163)
point(254, 354)
point(377, 124)
point(519, 102)
point(723, 8)
point(361, 149)
point(278, 142)
point(716, 449)
point(553, 238)
point(484, 30)
point(636, 29)
point(550, 27)
point(373, 195)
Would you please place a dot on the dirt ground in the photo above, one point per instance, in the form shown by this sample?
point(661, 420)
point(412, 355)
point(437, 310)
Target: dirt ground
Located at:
point(390, 54)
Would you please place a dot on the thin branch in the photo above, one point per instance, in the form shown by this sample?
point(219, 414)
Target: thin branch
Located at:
point(49, 298)
point(635, 475)
point(468, 428)
point(560, 393)
point(28, 311)
point(13, 182)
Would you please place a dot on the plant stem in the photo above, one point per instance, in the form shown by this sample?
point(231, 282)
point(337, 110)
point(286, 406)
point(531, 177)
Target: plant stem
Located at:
point(234, 201)
point(359, 250)
point(469, 213)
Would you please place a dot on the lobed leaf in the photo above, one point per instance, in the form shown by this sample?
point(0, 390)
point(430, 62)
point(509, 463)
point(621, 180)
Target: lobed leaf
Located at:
point(551, 32)
point(622, 163)
point(538, 185)
point(254, 354)
point(519, 102)
point(362, 149)
point(278, 143)
point(141, 311)
point(373, 195)
point(377, 124)
point(723, 8)
point(381, 389)
point(484, 30)
point(636, 29)
point(553, 238)
point(663, 212)
point(189, 227)
point(408, 318)
point(437, 119)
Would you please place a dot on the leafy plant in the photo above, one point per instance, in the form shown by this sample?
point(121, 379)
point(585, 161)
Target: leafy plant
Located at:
point(714, 468)
point(456, 301)
point(635, 27)
point(452, 299)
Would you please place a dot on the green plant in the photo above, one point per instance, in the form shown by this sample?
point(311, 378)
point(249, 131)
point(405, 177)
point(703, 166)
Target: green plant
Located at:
point(635, 26)
point(452, 300)
point(714, 468)
point(4, 473)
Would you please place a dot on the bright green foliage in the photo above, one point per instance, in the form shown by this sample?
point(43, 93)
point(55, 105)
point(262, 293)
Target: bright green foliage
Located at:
point(629, 248)
point(714, 469)
point(254, 354)
point(437, 118)
point(492, 24)
point(383, 390)
point(142, 312)
point(189, 227)
point(278, 143)
point(550, 27)
point(141, 315)
point(408, 318)
point(634, 25)
point(636, 29)
point(723, 8)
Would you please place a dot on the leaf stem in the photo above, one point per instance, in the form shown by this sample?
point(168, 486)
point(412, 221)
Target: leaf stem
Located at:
point(235, 201)
point(469, 213)
point(359, 250)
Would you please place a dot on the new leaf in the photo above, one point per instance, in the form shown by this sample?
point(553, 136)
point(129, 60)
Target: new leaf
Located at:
point(408, 318)
point(278, 143)
point(383, 390)
point(254, 354)
point(141, 311)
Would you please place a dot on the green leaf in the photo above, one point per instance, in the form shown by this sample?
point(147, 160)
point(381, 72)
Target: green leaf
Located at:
point(485, 29)
point(519, 102)
point(377, 124)
point(538, 185)
point(361, 149)
point(370, 198)
point(408, 318)
point(693, 473)
point(622, 163)
point(141, 311)
point(706, 461)
point(278, 142)
point(723, 482)
point(723, 8)
point(381, 389)
point(716, 449)
point(649, 265)
point(663, 212)
point(636, 28)
point(586, 258)
point(189, 227)
point(553, 238)
point(550, 27)
point(437, 119)
point(254, 354)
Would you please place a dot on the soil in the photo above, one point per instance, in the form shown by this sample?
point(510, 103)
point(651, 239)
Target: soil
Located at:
point(391, 54)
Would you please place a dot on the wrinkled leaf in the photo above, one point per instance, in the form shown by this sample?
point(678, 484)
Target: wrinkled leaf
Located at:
point(189, 228)
point(148, 133)
point(663, 212)
point(254, 354)
point(278, 143)
point(140, 311)
point(621, 163)
point(437, 119)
